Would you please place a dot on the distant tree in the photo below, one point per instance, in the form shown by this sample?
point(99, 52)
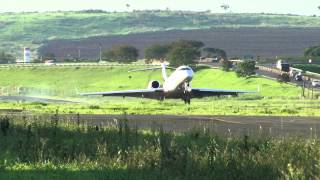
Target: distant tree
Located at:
point(156, 51)
point(37, 60)
point(109, 55)
point(49, 56)
point(215, 52)
point(123, 54)
point(245, 69)
point(225, 7)
point(225, 64)
point(6, 58)
point(312, 52)
point(92, 11)
point(194, 43)
point(183, 53)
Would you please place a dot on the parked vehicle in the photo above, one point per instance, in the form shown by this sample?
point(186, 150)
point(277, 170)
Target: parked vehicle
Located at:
point(315, 83)
point(298, 77)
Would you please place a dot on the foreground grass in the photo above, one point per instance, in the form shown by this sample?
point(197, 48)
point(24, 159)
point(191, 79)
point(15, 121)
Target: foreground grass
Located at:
point(53, 149)
point(210, 106)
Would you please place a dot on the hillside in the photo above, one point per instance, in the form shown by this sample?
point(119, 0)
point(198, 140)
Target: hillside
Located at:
point(66, 81)
point(35, 29)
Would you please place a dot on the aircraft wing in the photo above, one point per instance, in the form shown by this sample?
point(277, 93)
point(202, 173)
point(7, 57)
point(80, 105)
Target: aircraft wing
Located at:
point(147, 93)
point(198, 93)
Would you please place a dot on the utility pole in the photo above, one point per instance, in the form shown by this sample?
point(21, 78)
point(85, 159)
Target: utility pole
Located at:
point(303, 87)
point(100, 51)
point(79, 53)
point(100, 58)
point(309, 88)
point(225, 7)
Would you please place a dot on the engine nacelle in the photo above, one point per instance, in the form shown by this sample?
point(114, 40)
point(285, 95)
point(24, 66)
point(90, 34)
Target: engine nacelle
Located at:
point(153, 84)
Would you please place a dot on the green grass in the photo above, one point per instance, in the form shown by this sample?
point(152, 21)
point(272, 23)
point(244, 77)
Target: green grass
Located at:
point(18, 30)
point(43, 148)
point(213, 106)
point(65, 81)
point(274, 98)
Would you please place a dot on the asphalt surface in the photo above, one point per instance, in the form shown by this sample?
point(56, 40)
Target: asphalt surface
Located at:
point(272, 75)
point(223, 125)
point(33, 99)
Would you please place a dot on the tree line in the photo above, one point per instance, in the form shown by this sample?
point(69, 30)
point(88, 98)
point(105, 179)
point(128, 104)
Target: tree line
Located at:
point(181, 52)
point(6, 58)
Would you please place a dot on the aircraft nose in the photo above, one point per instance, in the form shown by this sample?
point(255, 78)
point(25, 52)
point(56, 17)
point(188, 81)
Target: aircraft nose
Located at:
point(189, 75)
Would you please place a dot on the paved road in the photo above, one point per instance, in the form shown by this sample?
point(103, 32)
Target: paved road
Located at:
point(270, 75)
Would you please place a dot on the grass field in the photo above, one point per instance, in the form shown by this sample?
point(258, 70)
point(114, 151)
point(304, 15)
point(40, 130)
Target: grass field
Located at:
point(52, 149)
point(67, 80)
point(274, 98)
point(18, 30)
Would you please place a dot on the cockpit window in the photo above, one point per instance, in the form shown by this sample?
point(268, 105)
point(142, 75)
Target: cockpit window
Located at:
point(185, 68)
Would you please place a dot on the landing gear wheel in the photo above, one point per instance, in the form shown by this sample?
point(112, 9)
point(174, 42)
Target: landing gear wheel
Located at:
point(187, 98)
point(188, 101)
point(187, 95)
point(161, 99)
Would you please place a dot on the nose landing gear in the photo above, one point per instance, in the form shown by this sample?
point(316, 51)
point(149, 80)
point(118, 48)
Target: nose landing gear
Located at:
point(187, 94)
point(187, 100)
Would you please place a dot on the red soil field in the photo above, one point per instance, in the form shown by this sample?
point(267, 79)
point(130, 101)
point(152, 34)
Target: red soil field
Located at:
point(263, 42)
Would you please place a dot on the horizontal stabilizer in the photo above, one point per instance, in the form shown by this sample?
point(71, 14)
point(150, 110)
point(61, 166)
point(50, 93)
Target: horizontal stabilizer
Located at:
point(149, 69)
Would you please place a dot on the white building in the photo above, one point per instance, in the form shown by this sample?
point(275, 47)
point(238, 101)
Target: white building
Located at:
point(26, 55)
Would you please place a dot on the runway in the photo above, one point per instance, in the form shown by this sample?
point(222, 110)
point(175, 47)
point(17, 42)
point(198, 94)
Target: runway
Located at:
point(33, 99)
point(274, 126)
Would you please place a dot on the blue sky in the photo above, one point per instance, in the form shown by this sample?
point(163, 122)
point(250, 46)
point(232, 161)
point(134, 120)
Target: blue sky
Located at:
point(303, 7)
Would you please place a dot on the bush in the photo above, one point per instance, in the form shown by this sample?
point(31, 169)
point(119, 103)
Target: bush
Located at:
point(225, 64)
point(246, 68)
point(284, 77)
point(6, 58)
point(122, 54)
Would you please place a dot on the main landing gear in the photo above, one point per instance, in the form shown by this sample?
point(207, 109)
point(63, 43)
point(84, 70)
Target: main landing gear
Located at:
point(187, 100)
point(187, 94)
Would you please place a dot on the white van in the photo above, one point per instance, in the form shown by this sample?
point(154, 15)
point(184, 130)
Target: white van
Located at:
point(315, 83)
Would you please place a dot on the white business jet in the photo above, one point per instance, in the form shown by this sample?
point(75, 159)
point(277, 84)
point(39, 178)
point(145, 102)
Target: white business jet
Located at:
point(176, 86)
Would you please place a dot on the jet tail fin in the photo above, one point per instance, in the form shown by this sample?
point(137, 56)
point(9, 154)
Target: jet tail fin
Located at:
point(164, 72)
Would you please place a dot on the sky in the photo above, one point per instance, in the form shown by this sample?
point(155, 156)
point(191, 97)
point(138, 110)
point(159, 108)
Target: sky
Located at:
point(301, 7)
